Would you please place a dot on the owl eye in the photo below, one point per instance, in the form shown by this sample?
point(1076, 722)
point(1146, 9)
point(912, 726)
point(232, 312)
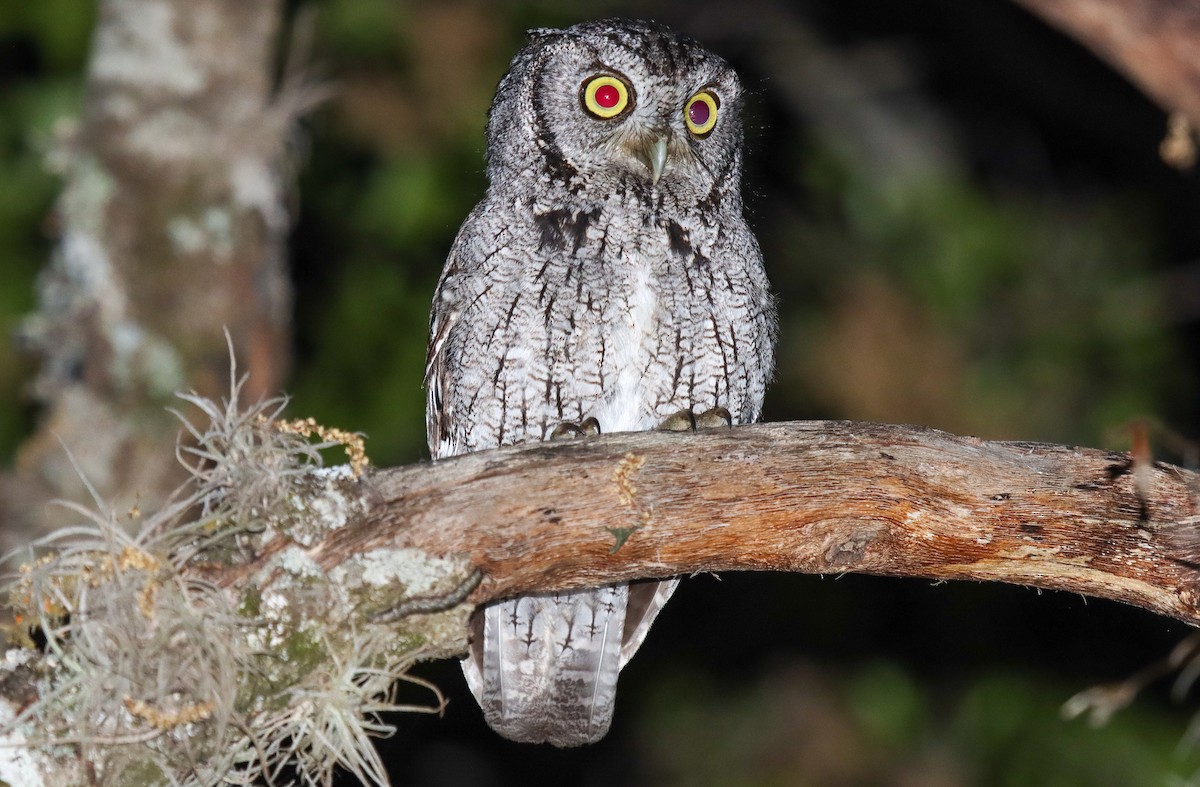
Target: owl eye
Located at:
point(605, 96)
point(700, 113)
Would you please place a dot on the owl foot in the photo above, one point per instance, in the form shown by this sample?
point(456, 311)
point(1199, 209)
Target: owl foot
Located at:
point(714, 418)
point(588, 427)
point(687, 421)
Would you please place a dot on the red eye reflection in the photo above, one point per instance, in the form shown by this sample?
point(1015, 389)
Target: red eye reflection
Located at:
point(700, 114)
point(607, 96)
point(604, 96)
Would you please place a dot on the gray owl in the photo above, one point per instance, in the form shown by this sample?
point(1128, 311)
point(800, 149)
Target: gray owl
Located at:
point(607, 281)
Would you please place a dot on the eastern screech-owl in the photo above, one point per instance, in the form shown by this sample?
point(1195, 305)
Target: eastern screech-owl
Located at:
point(608, 274)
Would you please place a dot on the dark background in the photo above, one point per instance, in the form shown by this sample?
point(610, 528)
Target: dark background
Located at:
point(966, 221)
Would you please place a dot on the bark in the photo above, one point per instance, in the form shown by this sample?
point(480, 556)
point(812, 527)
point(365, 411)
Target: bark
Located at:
point(173, 223)
point(1155, 43)
point(813, 497)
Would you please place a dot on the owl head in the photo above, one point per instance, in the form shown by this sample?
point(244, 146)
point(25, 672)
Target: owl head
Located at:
point(614, 106)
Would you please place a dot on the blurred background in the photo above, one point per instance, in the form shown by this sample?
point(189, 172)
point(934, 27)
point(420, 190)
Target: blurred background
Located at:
point(968, 226)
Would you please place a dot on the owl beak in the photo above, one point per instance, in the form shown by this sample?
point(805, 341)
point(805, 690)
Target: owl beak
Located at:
point(656, 158)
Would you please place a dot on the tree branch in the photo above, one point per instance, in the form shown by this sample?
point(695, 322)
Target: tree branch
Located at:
point(355, 578)
point(815, 497)
point(1155, 43)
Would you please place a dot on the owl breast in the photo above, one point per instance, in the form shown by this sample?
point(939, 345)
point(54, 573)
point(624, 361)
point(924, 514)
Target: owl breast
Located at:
point(626, 321)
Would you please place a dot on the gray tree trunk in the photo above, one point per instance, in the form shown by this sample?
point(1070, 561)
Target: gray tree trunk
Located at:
point(173, 221)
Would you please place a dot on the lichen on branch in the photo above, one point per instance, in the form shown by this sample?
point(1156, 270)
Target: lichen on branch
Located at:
point(153, 671)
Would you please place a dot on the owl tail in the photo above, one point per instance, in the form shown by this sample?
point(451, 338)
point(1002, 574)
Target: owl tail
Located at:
point(544, 668)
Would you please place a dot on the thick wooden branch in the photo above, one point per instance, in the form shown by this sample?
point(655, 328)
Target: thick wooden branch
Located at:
point(816, 497)
point(346, 574)
point(1155, 43)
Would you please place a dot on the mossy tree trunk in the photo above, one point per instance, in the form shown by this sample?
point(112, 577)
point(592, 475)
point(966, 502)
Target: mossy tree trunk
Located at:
point(172, 224)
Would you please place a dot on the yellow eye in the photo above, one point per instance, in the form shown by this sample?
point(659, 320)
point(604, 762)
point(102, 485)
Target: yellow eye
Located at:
point(700, 113)
point(605, 96)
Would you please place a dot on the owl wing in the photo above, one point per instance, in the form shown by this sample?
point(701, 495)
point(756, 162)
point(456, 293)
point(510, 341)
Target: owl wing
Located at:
point(646, 600)
point(435, 381)
point(441, 321)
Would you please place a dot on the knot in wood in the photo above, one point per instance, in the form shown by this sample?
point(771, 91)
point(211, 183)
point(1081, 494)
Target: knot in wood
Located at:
point(847, 547)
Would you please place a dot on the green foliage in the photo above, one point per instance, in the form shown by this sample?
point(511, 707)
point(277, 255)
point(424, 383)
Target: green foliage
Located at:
point(1003, 315)
point(58, 30)
point(877, 724)
point(1010, 729)
point(888, 706)
point(366, 372)
point(359, 29)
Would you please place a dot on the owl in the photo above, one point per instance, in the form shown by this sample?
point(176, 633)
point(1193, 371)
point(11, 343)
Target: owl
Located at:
point(606, 282)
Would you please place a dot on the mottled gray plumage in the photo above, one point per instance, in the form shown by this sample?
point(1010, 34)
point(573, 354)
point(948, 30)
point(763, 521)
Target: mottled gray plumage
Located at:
point(607, 273)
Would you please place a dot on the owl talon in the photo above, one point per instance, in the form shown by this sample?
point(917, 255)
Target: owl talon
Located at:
point(568, 430)
point(682, 421)
point(714, 418)
point(687, 421)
